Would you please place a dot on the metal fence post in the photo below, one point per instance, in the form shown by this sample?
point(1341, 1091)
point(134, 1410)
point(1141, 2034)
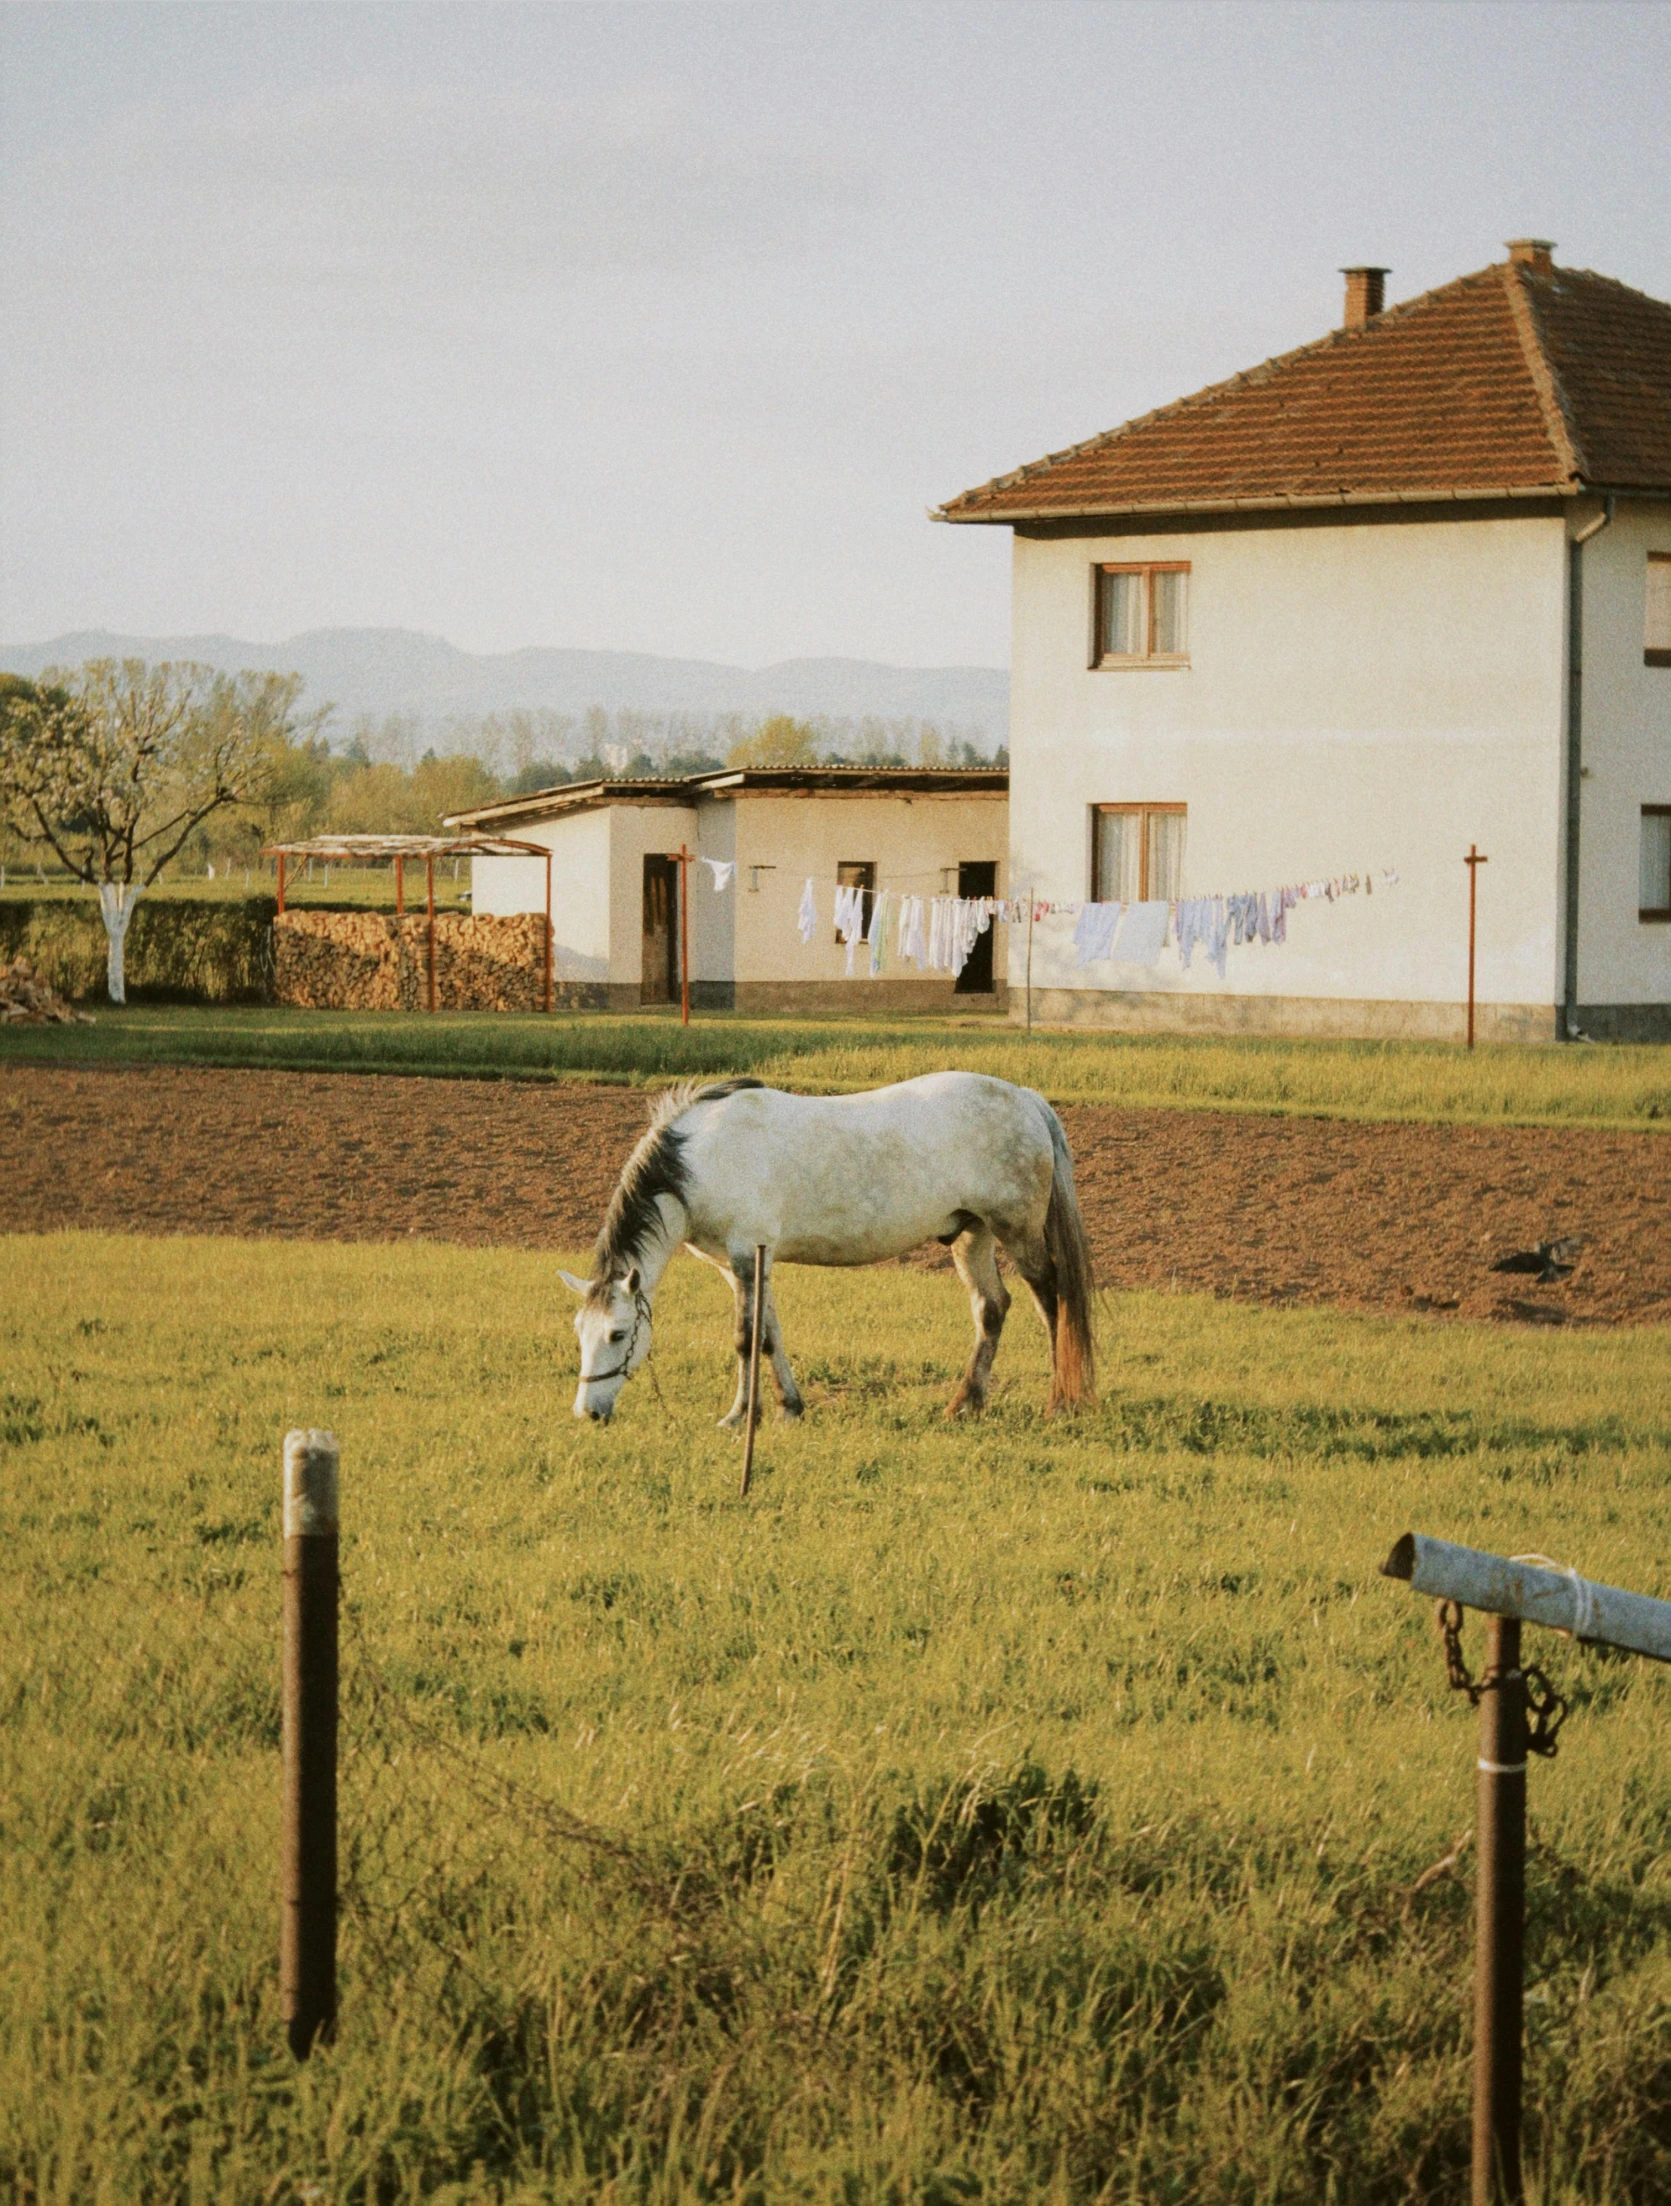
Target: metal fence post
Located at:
point(308, 1932)
point(1500, 1921)
point(756, 1321)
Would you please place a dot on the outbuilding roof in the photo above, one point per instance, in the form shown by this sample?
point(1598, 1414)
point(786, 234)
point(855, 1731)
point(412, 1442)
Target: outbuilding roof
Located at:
point(1525, 380)
point(582, 796)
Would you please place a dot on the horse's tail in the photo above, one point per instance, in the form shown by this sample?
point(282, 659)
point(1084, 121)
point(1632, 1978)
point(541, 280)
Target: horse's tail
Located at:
point(1074, 1353)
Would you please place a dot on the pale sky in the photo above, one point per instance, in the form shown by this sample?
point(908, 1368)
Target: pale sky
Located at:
point(647, 327)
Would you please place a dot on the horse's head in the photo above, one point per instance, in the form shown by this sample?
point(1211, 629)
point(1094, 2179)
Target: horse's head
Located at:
point(613, 1324)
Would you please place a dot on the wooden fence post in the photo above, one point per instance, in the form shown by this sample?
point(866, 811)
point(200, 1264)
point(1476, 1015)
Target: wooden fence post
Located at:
point(308, 1934)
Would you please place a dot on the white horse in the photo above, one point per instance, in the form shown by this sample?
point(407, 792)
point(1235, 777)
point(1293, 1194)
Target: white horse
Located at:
point(954, 1157)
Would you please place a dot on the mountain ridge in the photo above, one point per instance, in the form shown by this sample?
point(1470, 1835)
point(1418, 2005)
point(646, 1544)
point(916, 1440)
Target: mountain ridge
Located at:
point(376, 673)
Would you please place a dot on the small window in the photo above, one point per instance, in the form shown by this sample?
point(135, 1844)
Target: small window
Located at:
point(857, 873)
point(1657, 626)
point(1137, 852)
point(1654, 896)
point(1142, 615)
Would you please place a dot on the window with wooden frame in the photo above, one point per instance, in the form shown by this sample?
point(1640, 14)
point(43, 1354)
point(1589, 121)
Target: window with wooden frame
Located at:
point(1656, 626)
point(1654, 894)
point(1141, 615)
point(857, 873)
point(1137, 852)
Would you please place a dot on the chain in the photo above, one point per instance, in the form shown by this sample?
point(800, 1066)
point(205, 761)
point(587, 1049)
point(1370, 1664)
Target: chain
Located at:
point(1545, 1708)
point(1448, 1616)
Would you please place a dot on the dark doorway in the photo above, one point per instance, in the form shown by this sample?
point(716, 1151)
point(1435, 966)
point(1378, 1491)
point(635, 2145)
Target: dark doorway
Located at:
point(660, 983)
point(978, 877)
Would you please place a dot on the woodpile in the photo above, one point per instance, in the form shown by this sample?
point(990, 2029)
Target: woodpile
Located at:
point(27, 1001)
point(375, 961)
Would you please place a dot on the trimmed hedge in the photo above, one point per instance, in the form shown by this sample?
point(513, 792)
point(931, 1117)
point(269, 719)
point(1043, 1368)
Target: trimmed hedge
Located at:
point(180, 949)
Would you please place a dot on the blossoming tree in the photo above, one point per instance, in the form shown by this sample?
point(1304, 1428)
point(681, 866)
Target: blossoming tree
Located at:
point(115, 766)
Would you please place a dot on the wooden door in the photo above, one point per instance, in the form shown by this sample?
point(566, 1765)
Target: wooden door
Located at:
point(978, 877)
point(660, 983)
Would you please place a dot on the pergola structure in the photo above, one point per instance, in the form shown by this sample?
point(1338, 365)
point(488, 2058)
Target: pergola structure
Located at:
point(400, 850)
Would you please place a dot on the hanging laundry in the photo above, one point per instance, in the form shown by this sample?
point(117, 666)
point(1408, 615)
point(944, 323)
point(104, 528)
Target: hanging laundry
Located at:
point(850, 919)
point(1093, 933)
point(806, 919)
point(913, 933)
point(1143, 932)
point(722, 870)
point(877, 932)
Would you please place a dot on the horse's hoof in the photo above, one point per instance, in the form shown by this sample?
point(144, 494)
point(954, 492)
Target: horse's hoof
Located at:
point(735, 1422)
point(792, 1412)
point(965, 1405)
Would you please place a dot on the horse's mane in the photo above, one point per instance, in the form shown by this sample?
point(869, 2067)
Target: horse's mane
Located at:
point(655, 1168)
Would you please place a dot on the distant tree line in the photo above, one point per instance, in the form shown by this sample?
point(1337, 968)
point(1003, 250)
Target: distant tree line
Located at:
point(397, 775)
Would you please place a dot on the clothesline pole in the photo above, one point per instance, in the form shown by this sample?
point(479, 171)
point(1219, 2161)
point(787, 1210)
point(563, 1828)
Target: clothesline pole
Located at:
point(400, 887)
point(429, 869)
point(1029, 958)
point(684, 857)
point(1474, 860)
point(281, 881)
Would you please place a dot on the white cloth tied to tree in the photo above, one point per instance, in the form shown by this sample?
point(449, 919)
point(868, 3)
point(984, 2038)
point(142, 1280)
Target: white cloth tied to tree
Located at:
point(722, 870)
point(116, 902)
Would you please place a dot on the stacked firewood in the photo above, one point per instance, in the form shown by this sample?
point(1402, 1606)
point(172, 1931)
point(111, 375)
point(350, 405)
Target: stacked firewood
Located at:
point(27, 1001)
point(375, 961)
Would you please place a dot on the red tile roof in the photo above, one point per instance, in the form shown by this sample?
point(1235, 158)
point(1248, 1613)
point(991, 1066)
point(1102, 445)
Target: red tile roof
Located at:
point(1524, 380)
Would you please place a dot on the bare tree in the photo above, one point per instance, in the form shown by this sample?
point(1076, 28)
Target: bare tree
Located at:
point(115, 766)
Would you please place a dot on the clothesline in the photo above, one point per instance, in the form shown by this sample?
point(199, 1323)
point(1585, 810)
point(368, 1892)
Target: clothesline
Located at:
point(938, 933)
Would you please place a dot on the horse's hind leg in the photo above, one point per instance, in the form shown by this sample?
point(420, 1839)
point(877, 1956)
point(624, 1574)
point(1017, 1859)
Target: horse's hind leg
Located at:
point(975, 1254)
point(1033, 1261)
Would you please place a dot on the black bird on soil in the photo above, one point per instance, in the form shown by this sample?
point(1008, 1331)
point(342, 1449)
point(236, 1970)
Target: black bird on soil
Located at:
point(1549, 1261)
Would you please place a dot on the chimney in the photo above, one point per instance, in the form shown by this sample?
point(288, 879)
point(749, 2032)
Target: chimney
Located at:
point(1366, 290)
point(1533, 252)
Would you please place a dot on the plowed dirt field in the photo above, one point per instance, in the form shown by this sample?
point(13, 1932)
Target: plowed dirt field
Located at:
point(1265, 1209)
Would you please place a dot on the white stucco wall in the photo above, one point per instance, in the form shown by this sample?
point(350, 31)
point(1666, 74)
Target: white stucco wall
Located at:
point(579, 844)
point(636, 832)
point(915, 842)
point(597, 884)
point(1357, 697)
point(1627, 763)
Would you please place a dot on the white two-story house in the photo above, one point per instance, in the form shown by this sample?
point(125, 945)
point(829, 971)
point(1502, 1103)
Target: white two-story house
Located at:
point(1399, 595)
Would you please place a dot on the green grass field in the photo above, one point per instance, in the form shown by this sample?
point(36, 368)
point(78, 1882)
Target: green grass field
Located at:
point(1026, 1811)
point(1500, 1085)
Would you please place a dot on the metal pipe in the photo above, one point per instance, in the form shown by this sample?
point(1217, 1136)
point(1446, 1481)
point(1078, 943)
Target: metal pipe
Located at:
point(756, 1323)
point(1575, 761)
point(548, 988)
point(308, 1923)
point(1561, 1600)
point(1473, 862)
point(1500, 1922)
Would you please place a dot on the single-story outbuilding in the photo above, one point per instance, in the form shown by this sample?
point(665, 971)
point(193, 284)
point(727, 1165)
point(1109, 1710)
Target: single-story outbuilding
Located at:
point(615, 882)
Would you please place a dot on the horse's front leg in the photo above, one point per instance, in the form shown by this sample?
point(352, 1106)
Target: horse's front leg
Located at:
point(788, 1393)
point(771, 1342)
